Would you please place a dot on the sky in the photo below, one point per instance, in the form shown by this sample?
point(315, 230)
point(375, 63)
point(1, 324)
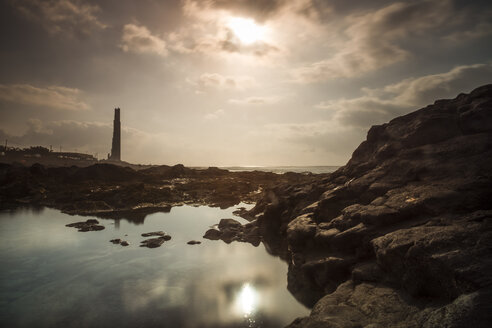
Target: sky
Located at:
point(222, 83)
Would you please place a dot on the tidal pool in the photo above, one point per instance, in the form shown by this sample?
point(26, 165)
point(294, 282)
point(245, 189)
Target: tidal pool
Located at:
point(55, 276)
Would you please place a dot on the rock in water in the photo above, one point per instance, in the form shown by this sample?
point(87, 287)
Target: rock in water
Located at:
point(194, 242)
point(231, 224)
point(212, 234)
point(89, 225)
point(154, 242)
point(402, 234)
point(119, 242)
point(231, 230)
point(155, 233)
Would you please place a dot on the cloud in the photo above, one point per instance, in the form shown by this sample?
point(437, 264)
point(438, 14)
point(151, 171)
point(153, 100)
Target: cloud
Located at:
point(70, 135)
point(373, 40)
point(474, 22)
point(217, 81)
point(138, 39)
point(219, 40)
point(380, 105)
point(205, 30)
point(69, 17)
point(426, 89)
point(92, 137)
point(259, 10)
point(262, 10)
point(331, 139)
point(215, 115)
point(255, 101)
point(95, 137)
point(323, 142)
point(56, 97)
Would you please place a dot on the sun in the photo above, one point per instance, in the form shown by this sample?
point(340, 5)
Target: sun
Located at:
point(246, 29)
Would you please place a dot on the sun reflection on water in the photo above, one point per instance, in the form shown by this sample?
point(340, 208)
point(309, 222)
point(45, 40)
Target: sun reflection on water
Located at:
point(247, 300)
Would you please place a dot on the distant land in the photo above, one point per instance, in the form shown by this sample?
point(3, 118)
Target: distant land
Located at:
point(49, 158)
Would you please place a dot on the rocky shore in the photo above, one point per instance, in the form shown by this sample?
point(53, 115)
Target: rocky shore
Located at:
point(111, 191)
point(401, 236)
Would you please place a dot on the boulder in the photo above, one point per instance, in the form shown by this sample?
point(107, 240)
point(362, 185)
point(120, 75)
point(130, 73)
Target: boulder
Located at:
point(212, 234)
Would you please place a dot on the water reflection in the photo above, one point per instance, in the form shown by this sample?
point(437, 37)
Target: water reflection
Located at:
point(55, 276)
point(247, 300)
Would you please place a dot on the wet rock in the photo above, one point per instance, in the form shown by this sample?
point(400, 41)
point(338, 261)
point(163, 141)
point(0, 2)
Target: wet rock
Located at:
point(154, 242)
point(229, 224)
point(212, 234)
point(231, 230)
point(89, 225)
point(119, 242)
point(194, 242)
point(243, 212)
point(161, 234)
point(113, 191)
point(228, 236)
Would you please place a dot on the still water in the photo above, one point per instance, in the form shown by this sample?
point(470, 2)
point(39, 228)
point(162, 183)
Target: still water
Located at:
point(54, 276)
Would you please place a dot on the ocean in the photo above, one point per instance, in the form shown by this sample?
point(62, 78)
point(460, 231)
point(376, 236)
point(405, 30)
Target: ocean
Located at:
point(283, 169)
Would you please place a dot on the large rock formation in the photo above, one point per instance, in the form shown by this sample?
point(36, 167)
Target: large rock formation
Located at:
point(402, 235)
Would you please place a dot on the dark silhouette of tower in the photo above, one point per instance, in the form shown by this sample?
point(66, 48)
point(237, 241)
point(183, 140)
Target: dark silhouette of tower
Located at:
point(116, 146)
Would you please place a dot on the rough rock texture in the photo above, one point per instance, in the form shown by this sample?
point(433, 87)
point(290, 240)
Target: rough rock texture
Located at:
point(230, 230)
point(89, 225)
point(105, 190)
point(154, 242)
point(402, 235)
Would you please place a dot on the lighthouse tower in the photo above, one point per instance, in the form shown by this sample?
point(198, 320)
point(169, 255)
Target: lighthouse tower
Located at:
point(116, 146)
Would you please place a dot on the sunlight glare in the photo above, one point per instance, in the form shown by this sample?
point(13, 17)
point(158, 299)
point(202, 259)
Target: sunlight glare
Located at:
point(246, 29)
point(247, 299)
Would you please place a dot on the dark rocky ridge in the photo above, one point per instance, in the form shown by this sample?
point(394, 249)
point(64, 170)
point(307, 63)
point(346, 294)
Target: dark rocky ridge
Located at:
point(110, 191)
point(402, 235)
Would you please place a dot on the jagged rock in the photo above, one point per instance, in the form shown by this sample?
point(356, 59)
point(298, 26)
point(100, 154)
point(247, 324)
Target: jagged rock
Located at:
point(301, 231)
point(89, 225)
point(231, 230)
point(401, 236)
point(113, 191)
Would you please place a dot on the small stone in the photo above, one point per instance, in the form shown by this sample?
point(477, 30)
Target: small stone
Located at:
point(124, 243)
point(194, 242)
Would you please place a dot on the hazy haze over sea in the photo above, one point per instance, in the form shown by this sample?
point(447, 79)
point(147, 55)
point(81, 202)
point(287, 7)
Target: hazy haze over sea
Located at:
point(282, 169)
